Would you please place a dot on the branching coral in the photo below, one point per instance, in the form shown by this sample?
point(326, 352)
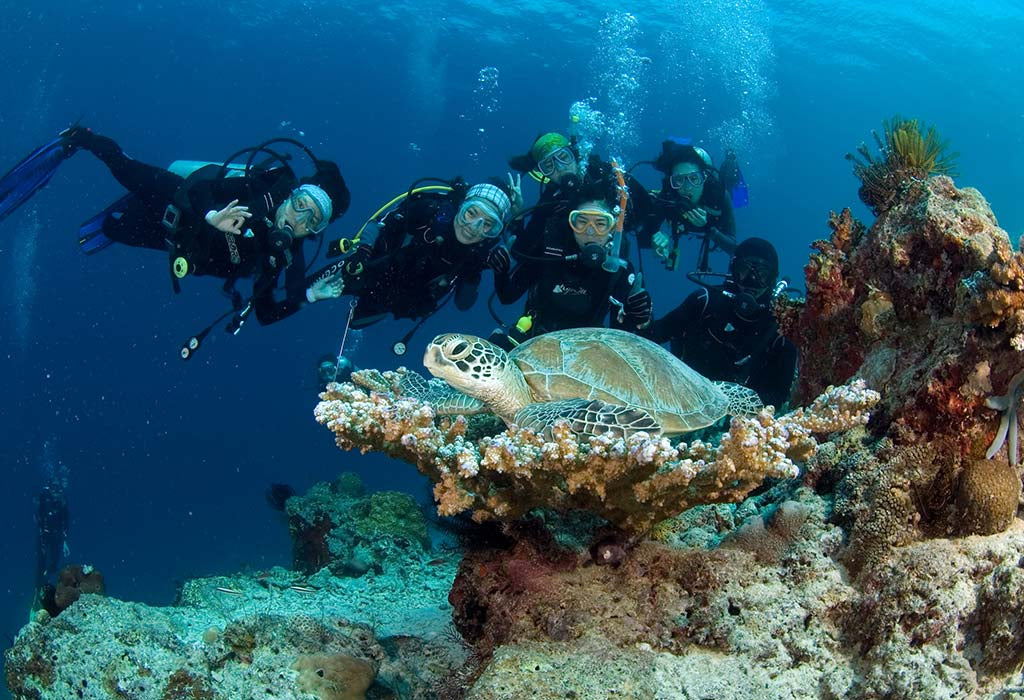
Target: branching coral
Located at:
point(907, 152)
point(632, 483)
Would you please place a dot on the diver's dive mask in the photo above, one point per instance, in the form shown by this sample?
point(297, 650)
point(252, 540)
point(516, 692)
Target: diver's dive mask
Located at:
point(749, 283)
point(559, 159)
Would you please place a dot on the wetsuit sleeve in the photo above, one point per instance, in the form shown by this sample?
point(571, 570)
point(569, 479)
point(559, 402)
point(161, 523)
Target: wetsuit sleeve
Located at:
point(672, 326)
point(268, 309)
point(511, 287)
point(774, 381)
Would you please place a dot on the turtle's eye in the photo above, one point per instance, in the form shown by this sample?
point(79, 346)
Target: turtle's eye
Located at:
point(458, 349)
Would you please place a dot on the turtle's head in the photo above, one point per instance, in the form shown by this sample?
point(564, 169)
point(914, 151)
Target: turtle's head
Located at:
point(470, 364)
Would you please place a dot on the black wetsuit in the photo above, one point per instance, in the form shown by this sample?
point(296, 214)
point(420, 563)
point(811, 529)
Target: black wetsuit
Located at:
point(706, 333)
point(208, 250)
point(565, 293)
point(51, 532)
point(667, 206)
point(416, 262)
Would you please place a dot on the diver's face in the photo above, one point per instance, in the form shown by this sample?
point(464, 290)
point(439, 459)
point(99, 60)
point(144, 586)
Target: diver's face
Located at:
point(558, 165)
point(473, 223)
point(687, 180)
point(301, 214)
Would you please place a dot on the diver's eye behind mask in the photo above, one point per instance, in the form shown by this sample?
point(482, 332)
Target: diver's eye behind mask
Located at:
point(752, 275)
point(591, 221)
point(560, 159)
point(692, 180)
point(305, 211)
point(480, 218)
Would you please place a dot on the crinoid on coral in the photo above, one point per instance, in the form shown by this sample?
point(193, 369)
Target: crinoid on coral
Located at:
point(632, 482)
point(907, 152)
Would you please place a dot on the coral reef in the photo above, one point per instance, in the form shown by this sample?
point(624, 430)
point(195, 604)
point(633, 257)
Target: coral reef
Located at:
point(633, 483)
point(925, 305)
point(339, 526)
point(274, 635)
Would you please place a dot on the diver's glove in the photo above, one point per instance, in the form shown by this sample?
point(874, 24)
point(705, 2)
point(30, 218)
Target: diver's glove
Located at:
point(499, 260)
point(229, 219)
point(638, 308)
point(326, 288)
point(660, 242)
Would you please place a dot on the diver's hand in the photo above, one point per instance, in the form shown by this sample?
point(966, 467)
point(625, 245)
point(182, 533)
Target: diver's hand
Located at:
point(660, 243)
point(229, 219)
point(515, 183)
point(638, 308)
point(698, 217)
point(327, 288)
point(499, 260)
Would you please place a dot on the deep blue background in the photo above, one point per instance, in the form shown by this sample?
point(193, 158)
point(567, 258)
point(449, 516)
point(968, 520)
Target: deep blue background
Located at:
point(169, 460)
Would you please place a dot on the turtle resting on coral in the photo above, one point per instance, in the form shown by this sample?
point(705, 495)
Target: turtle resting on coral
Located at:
point(602, 381)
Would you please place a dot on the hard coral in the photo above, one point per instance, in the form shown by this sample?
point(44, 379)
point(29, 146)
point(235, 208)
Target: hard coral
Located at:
point(919, 304)
point(633, 483)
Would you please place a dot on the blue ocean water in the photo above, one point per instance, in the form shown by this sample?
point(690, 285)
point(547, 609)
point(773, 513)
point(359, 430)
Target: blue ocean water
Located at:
point(168, 461)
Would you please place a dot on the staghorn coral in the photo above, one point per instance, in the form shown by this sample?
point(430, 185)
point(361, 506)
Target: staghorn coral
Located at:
point(907, 153)
point(633, 483)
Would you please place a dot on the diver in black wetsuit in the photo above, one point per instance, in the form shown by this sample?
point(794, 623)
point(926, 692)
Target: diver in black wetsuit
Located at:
point(51, 536)
point(579, 281)
point(432, 247)
point(729, 332)
point(693, 201)
point(227, 227)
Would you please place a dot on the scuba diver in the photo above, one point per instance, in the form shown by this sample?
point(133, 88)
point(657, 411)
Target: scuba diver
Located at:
point(433, 247)
point(225, 221)
point(51, 531)
point(694, 201)
point(331, 368)
point(580, 279)
point(729, 333)
point(554, 161)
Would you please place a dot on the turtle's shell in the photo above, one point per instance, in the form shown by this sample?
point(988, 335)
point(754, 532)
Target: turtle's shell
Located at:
point(620, 368)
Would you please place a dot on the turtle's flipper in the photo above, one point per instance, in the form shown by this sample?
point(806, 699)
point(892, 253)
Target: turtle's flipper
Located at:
point(587, 417)
point(743, 401)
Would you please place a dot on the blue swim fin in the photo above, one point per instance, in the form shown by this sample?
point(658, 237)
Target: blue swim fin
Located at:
point(740, 195)
point(31, 175)
point(91, 238)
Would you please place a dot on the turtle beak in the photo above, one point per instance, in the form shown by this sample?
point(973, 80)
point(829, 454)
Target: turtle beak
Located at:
point(433, 359)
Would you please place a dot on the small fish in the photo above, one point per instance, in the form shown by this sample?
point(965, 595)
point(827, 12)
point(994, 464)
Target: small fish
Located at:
point(437, 562)
point(228, 591)
point(304, 589)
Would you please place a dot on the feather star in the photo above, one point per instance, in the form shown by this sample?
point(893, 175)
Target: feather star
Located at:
point(1008, 424)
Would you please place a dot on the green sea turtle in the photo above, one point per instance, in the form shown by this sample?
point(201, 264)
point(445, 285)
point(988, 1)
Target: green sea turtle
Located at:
point(601, 380)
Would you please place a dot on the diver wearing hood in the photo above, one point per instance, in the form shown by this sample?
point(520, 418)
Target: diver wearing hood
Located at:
point(228, 227)
point(580, 286)
point(692, 201)
point(729, 333)
point(432, 246)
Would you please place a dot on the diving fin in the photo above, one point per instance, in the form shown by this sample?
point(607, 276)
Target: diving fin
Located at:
point(732, 179)
point(91, 238)
point(31, 174)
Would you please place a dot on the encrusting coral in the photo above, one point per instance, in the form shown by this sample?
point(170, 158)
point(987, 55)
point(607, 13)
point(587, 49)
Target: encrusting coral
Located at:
point(633, 483)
